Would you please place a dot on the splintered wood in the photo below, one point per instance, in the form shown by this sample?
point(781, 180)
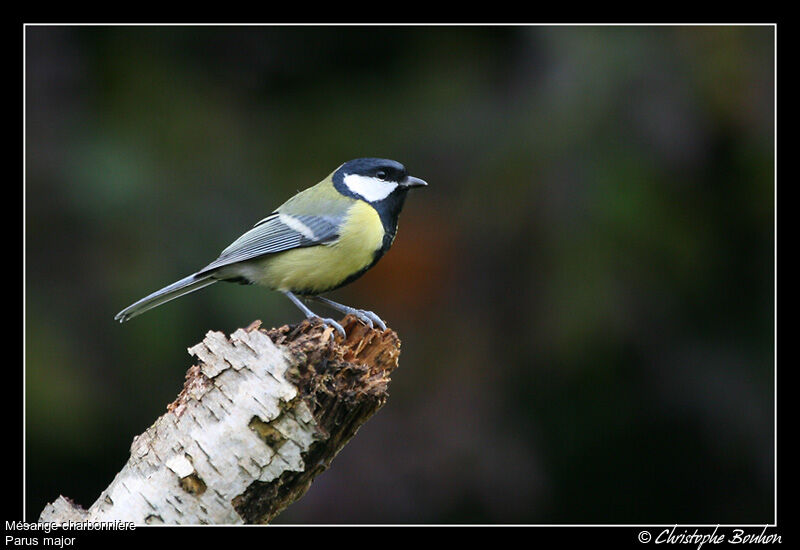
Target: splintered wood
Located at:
point(259, 417)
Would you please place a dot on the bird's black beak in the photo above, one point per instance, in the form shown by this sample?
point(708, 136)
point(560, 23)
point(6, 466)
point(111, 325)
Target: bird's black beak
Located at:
point(411, 181)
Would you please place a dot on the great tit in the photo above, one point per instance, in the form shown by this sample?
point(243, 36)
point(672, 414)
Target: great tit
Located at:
point(317, 241)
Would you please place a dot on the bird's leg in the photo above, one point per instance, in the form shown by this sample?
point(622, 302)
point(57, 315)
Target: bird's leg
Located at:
point(366, 317)
point(311, 315)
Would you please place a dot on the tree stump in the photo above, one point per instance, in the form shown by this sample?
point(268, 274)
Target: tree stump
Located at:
point(260, 415)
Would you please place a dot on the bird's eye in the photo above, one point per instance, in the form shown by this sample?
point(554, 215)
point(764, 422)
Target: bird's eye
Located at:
point(381, 175)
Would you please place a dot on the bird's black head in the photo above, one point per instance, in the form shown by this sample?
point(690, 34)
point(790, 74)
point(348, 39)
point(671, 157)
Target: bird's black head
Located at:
point(373, 179)
point(382, 183)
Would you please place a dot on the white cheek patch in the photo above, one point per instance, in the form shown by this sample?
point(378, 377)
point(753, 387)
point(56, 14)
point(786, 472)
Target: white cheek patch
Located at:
point(297, 225)
point(371, 189)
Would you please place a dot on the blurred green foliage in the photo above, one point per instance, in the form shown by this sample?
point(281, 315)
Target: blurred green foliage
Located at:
point(584, 291)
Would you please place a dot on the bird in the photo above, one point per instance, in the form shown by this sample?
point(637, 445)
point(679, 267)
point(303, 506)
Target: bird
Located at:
point(319, 240)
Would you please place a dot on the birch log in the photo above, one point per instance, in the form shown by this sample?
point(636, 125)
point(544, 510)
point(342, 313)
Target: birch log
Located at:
point(260, 415)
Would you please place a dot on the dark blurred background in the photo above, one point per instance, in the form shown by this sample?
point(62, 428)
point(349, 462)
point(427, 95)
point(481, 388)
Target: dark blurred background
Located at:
point(584, 292)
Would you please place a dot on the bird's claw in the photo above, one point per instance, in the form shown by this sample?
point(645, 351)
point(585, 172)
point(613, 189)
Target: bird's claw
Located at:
point(368, 317)
point(363, 317)
point(331, 323)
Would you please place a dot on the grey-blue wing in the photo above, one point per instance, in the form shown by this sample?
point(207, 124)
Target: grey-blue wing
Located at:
point(277, 233)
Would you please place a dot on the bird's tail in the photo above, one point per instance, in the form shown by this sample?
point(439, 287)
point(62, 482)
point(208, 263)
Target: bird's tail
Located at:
point(175, 290)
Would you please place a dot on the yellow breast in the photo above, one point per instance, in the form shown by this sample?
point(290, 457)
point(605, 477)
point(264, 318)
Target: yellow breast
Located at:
point(324, 267)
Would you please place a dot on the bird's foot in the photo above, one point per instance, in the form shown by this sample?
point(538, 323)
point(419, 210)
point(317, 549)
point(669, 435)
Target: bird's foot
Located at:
point(368, 318)
point(331, 323)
